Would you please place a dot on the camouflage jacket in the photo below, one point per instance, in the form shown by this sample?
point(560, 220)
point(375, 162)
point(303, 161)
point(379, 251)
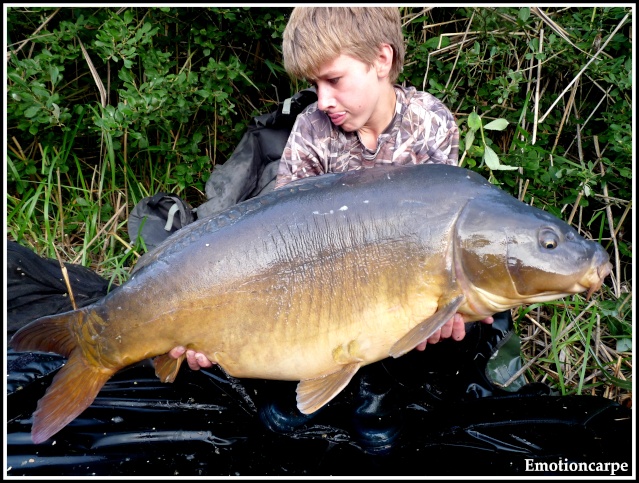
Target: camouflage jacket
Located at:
point(423, 130)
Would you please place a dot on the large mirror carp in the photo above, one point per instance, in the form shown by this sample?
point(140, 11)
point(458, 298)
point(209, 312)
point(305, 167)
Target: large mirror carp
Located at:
point(312, 281)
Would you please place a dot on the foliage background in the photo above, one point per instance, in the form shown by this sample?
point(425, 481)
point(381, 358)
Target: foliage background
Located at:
point(107, 105)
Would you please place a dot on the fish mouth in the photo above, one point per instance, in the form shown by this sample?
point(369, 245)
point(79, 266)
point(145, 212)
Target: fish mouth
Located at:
point(591, 281)
point(595, 278)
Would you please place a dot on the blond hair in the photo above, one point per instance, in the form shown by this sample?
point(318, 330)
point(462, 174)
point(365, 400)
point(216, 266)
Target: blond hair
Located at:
point(316, 35)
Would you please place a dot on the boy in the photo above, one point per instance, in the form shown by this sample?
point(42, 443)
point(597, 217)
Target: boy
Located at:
point(353, 57)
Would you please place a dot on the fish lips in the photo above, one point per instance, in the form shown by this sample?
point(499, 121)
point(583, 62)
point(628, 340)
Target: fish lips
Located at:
point(597, 277)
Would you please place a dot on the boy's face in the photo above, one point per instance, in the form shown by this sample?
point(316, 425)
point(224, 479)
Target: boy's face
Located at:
point(353, 94)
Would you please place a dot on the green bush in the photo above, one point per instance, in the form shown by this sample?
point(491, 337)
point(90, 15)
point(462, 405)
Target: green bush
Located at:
point(180, 84)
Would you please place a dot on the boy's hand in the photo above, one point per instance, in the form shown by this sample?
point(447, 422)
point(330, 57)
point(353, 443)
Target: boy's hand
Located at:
point(454, 328)
point(195, 360)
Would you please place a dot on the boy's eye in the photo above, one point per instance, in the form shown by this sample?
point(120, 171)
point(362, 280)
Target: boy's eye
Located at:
point(334, 80)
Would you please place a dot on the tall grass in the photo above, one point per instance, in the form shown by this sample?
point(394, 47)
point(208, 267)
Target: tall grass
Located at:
point(80, 215)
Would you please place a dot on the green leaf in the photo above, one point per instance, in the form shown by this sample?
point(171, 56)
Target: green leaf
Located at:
point(490, 158)
point(32, 111)
point(468, 140)
point(435, 85)
point(435, 43)
point(15, 77)
point(40, 92)
point(524, 13)
point(474, 121)
point(54, 73)
point(220, 96)
point(505, 167)
point(56, 111)
point(497, 125)
point(125, 110)
point(624, 345)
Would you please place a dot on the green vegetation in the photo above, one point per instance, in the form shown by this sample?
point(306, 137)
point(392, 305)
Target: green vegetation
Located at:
point(107, 105)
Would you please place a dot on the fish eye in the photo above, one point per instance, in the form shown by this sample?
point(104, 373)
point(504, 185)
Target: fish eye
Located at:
point(548, 239)
point(550, 244)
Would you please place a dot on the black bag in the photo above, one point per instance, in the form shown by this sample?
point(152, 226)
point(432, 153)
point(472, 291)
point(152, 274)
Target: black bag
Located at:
point(252, 168)
point(157, 217)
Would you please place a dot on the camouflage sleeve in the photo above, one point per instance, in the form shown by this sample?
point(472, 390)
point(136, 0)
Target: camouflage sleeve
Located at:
point(451, 143)
point(442, 135)
point(449, 146)
point(306, 151)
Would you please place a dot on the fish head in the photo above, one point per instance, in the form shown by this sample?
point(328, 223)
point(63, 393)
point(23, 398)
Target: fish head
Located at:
point(508, 253)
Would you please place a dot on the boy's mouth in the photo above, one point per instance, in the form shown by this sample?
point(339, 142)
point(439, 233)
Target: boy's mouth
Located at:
point(337, 118)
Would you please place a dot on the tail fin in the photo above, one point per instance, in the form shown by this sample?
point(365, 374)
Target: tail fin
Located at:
point(74, 387)
point(72, 391)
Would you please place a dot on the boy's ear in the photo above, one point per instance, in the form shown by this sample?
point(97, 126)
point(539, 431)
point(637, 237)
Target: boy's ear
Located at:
point(384, 60)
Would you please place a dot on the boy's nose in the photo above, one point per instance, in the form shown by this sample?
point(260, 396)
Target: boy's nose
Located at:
point(325, 101)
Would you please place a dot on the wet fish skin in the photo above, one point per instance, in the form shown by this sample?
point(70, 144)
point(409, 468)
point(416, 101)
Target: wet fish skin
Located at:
point(315, 280)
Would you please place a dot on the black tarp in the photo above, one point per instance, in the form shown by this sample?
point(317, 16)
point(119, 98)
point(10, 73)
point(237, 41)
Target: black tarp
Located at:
point(203, 425)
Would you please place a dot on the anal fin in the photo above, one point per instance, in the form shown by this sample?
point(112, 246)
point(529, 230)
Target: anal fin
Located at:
point(167, 367)
point(425, 329)
point(312, 394)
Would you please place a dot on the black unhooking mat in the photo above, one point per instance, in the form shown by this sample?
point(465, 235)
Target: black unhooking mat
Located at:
point(452, 420)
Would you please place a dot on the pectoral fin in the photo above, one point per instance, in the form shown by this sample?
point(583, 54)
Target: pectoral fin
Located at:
point(166, 367)
point(423, 331)
point(312, 394)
